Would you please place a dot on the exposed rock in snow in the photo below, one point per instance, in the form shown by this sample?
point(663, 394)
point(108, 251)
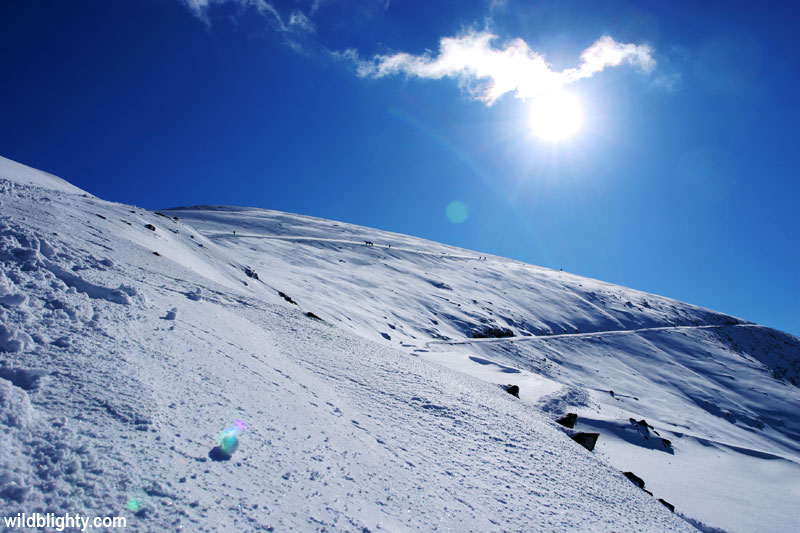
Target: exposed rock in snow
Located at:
point(568, 420)
point(587, 440)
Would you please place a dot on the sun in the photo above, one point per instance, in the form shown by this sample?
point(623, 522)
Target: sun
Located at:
point(556, 116)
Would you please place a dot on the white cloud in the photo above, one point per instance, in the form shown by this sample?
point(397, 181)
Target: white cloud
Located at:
point(487, 73)
point(606, 52)
point(300, 21)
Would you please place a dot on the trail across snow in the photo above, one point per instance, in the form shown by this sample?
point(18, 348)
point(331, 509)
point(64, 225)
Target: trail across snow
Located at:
point(299, 238)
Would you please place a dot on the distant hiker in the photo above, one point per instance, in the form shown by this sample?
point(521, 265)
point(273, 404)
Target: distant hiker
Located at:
point(234, 232)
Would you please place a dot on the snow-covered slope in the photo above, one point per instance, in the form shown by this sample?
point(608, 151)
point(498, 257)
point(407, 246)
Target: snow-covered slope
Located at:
point(705, 381)
point(15, 172)
point(129, 339)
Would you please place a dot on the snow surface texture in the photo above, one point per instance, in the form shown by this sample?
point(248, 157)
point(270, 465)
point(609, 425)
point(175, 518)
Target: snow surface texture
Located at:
point(129, 339)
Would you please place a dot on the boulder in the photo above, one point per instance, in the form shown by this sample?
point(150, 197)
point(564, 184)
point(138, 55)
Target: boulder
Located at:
point(512, 390)
point(250, 273)
point(587, 440)
point(286, 297)
point(568, 420)
point(636, 480)
point(490, 332)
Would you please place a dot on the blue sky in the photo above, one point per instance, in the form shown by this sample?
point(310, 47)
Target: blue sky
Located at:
point(682, 179)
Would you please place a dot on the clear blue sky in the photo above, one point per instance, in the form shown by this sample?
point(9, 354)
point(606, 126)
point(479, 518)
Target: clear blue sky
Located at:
point(682, 181)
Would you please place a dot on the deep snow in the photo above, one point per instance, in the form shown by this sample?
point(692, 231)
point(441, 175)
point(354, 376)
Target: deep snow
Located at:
point(129, 339)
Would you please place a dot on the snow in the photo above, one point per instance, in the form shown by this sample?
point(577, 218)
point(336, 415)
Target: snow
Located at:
point(130, 339)
point(18, 173)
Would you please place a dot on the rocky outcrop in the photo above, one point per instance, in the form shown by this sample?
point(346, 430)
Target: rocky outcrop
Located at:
point(636, 480)
point(667, 504)
point(587, 440)
point(568, 420)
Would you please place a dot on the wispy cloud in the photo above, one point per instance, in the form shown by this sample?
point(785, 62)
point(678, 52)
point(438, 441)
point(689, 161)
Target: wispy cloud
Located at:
point(487, 73)
point(197, 6)
point(299, 20)
point(291, 27)
point(668, 83)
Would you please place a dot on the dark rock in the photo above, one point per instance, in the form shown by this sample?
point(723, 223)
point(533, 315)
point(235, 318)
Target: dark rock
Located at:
point(644, 423)
point(568, 420)
point(150, 227)
point(587, 440)
point(667, 443)
point(493, 333)
point(101, 216)
point(512, 390)
point(611, 392)
point(636, 480)
point(250, 273)
point(667, 504)
point(312, 315)
point(156, 253)
point(286, 297)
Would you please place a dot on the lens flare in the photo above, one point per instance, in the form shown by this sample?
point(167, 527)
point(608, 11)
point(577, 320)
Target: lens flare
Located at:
point(456, 212)
point(137, 501)
point(229, 439)
point(134, 505)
